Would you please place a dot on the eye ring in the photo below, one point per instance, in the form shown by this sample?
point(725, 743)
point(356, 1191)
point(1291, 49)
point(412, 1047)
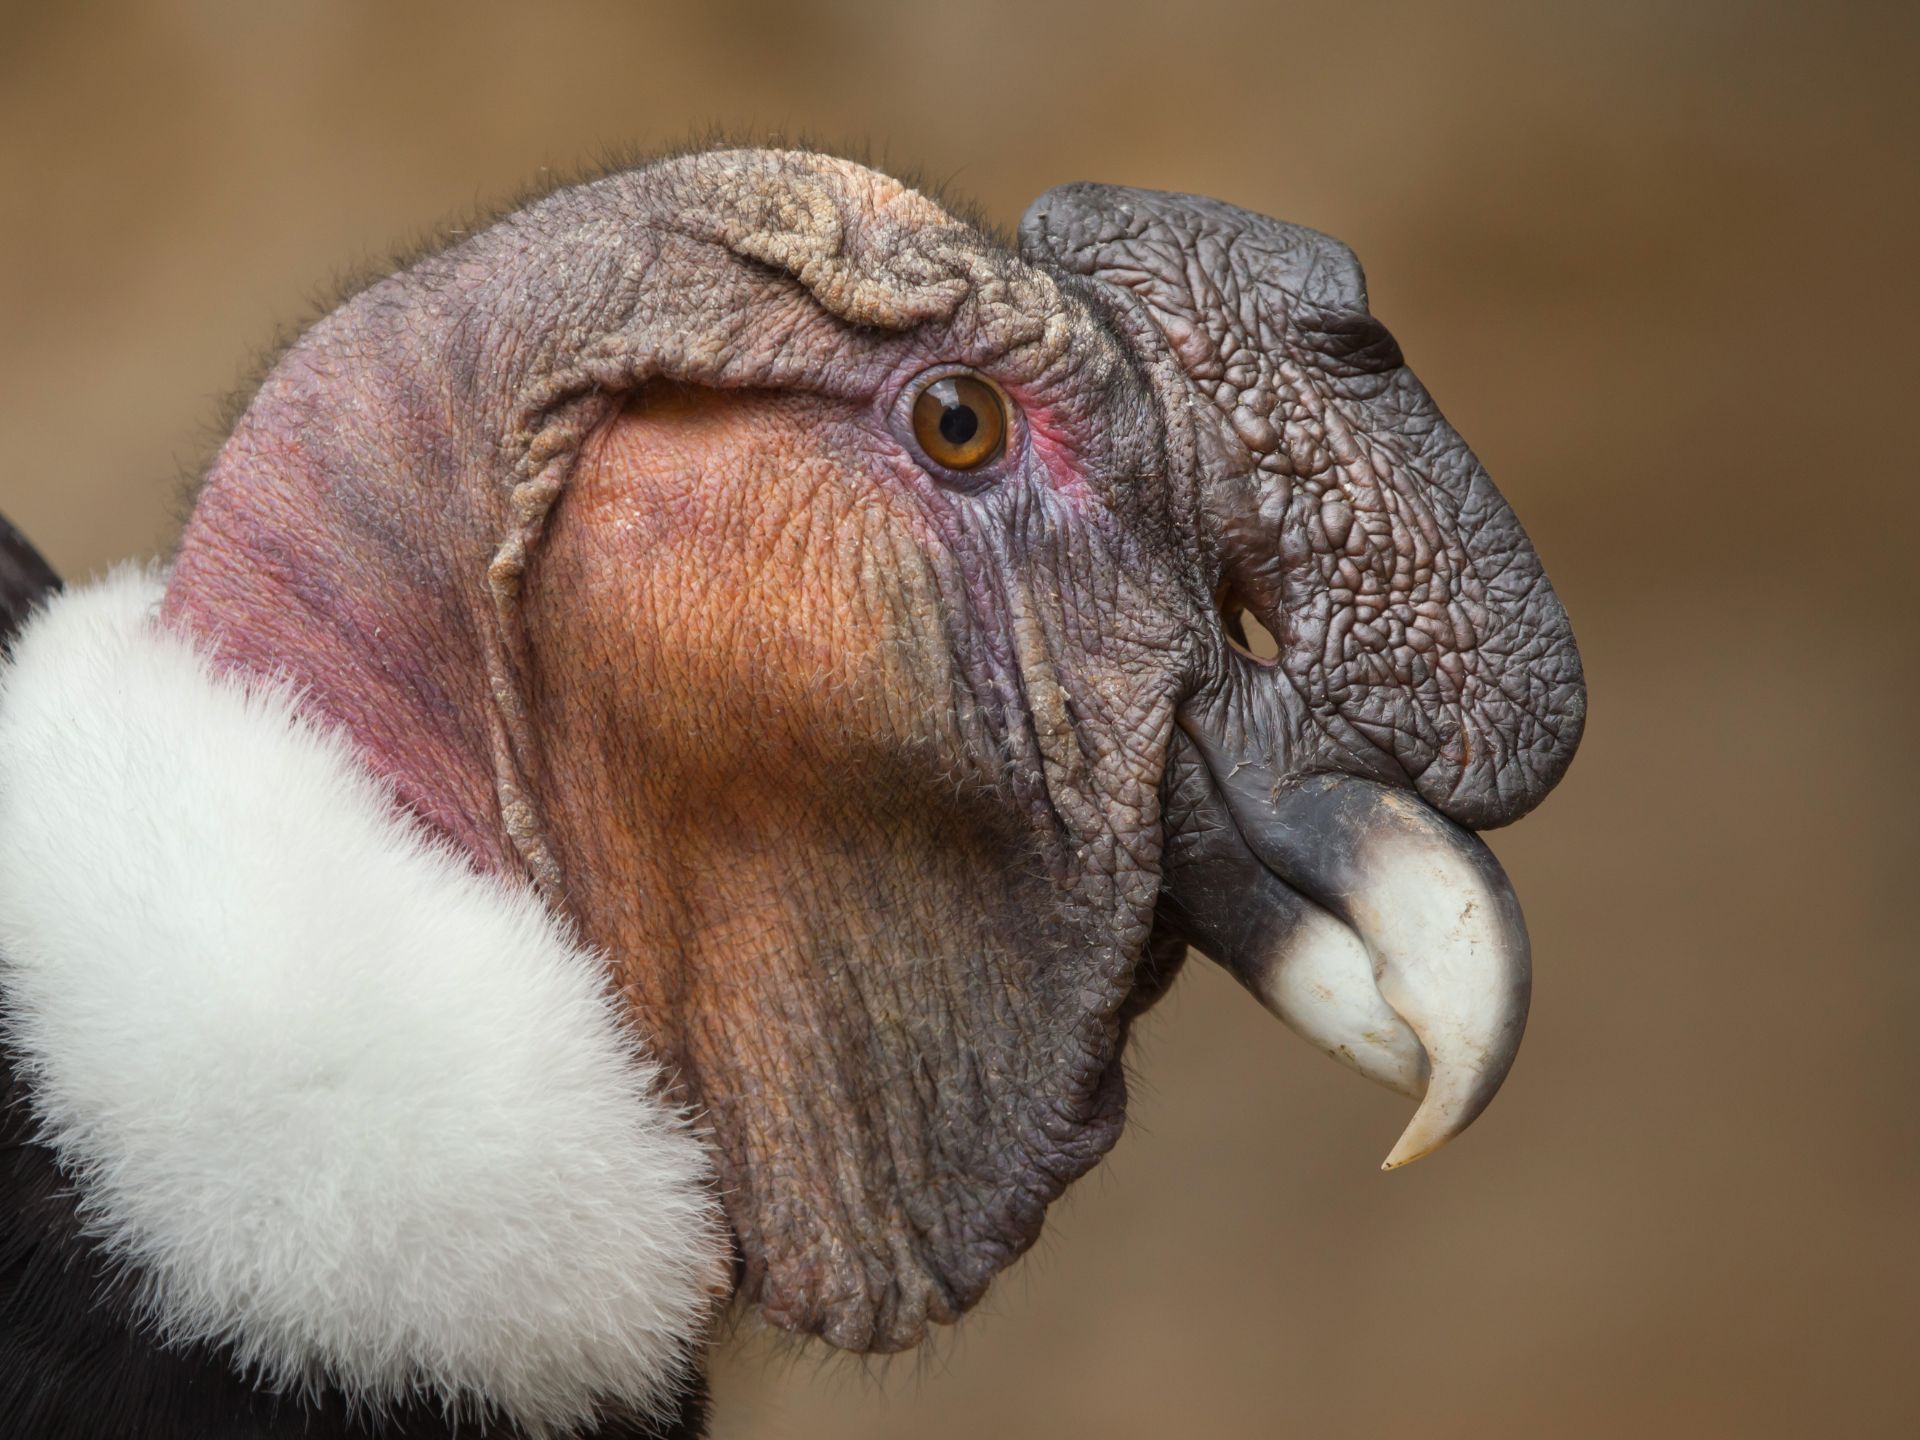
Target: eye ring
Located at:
point(960, 419)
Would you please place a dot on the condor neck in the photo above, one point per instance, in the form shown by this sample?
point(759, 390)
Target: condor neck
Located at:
point(389, 658)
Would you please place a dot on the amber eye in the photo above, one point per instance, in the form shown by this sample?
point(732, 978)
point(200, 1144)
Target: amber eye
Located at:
point(960, 421)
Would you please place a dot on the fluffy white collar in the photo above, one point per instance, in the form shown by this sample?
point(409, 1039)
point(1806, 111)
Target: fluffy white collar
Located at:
point(343, 1105)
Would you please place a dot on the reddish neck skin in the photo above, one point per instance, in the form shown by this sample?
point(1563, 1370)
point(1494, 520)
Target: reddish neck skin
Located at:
point(384, 651)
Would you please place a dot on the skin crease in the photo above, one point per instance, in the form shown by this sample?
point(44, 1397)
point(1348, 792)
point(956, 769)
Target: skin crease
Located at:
point(604, 536)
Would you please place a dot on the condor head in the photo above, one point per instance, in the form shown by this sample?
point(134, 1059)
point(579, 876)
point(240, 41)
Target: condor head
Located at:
point(841, 616)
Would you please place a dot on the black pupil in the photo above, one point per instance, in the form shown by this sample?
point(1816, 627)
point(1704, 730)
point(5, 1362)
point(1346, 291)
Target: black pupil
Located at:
point(958, 424)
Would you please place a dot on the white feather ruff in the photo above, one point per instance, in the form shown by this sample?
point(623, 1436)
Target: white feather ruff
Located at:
point(345, 1106)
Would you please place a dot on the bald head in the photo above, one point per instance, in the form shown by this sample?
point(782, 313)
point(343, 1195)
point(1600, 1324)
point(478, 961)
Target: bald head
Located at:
point(817, 600)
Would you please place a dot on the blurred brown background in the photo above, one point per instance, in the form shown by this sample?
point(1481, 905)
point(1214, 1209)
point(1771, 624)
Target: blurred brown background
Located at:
point(1656, 261)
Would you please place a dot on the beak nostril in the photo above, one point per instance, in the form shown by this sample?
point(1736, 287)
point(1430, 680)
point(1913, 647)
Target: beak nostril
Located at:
point(1243, 629)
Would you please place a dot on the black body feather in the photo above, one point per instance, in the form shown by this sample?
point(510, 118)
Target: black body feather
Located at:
point(24, 579)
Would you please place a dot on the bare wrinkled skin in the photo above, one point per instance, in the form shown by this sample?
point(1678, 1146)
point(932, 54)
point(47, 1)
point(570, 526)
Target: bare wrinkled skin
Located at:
point(604, 535)
point(1413, 618)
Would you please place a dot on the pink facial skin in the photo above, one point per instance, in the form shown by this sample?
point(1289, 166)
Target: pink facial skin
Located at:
point(285, 573)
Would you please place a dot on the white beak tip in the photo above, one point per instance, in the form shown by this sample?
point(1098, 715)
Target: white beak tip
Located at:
point(1454, 1099)
point(1412, 1147)
point(1401, 1157)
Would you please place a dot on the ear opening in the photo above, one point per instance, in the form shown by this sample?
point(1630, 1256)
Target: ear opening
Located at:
point(1244, 631)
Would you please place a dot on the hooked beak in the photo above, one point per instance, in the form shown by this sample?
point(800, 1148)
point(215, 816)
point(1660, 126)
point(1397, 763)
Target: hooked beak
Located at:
point(1368, 922)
